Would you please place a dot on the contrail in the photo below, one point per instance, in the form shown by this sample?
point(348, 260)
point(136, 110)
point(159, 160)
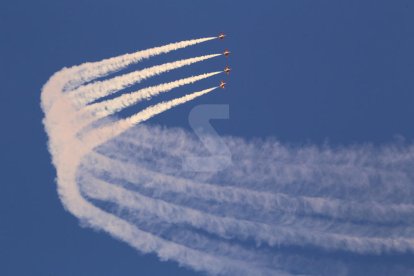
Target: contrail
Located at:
point(277, 209)
point(91, 92)
point(224, 226)
point(92, 70)
point(108, 107)
point(266, 207)
point(101, 191)
point(161, 107)
point(338, 171)
point(114, 129)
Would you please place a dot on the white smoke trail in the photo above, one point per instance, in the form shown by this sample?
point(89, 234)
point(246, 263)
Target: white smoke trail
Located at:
point(239, 228)
point(109, 131)
point(339, 171)
point(108, 107)
point(270, 208)
point(92, 70)
point(277, 210)
point(94, 91)
point(95, 189)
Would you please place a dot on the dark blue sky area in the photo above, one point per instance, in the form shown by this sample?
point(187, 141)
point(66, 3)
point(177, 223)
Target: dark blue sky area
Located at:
point(303, 71)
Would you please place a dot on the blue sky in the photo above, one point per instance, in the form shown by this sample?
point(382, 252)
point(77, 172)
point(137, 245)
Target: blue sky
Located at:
point(303, 71)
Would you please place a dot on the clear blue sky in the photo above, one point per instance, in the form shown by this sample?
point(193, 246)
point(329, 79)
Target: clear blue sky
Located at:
point(303, 71)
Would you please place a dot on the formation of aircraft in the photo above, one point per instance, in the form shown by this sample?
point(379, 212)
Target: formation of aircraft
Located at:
point(227, 69)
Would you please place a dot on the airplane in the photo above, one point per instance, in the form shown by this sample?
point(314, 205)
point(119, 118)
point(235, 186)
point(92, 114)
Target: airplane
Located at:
point(222, 84)
point(226, 53)
point(227, 70)
point(221, 36)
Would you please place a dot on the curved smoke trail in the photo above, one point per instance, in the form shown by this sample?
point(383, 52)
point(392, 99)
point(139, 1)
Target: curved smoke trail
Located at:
point(275, 210)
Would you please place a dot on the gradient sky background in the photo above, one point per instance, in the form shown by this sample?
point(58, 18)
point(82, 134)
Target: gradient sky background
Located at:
point(304, 71)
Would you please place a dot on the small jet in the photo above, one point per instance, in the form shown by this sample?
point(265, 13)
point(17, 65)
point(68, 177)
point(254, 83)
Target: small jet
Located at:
point(222, 84)
point(227, 70)
point(221, 36)
point(226, 53)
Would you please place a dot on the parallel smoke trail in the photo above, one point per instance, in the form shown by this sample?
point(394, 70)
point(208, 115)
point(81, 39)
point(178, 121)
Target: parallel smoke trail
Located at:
point(342, 173)
point(275, 210)
point(96, 190)
point(108, 107)
point(92, 70)
point(94, 91)
point(111, 130)
point(266, 207)
point(240, 228)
